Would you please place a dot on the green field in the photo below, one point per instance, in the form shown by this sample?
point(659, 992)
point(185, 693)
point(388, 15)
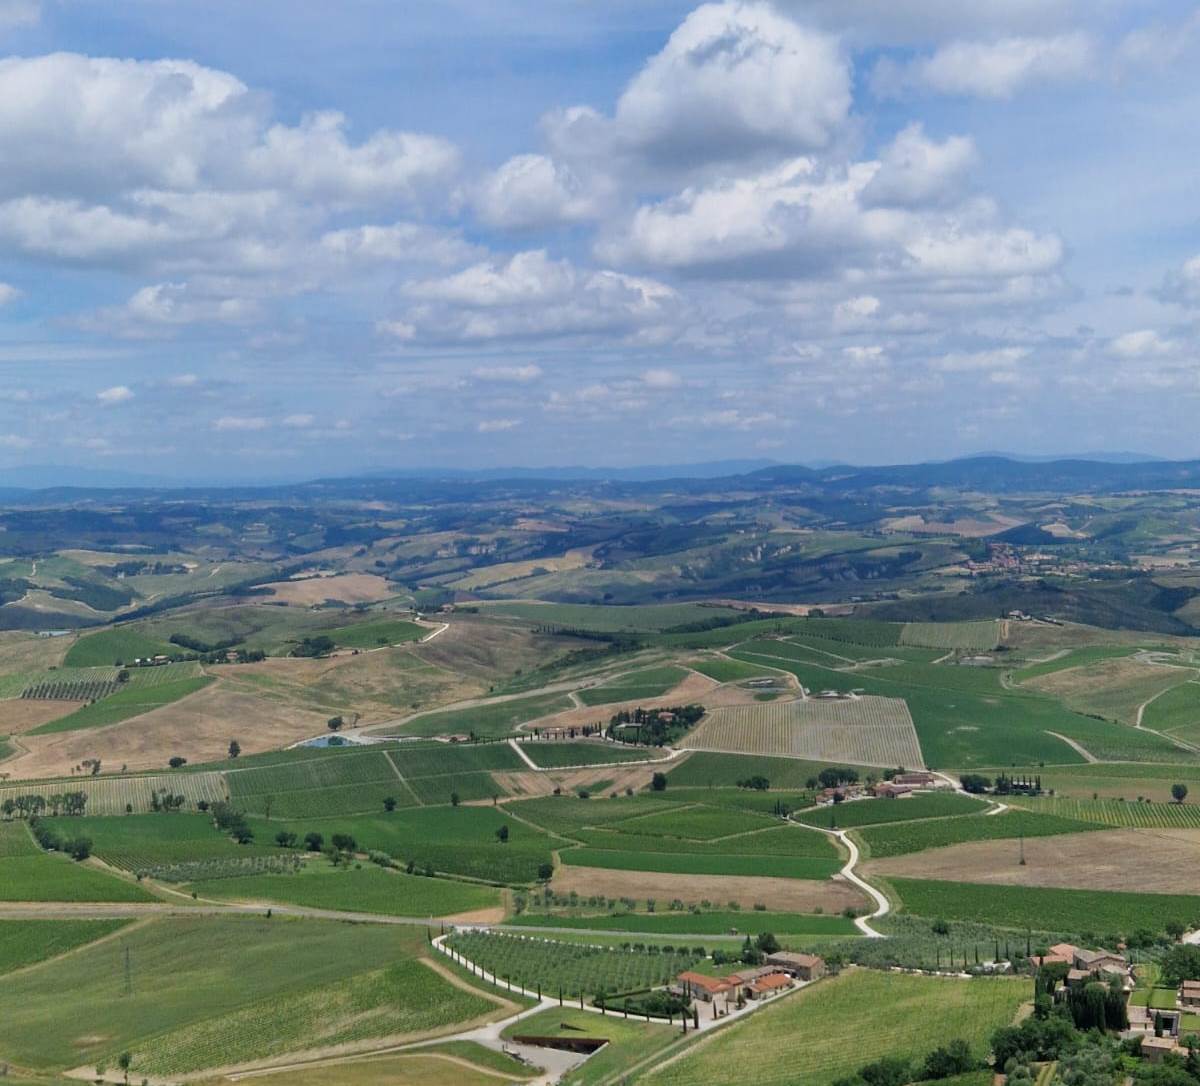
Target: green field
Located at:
point(28, 874)
point(1104, 912)
point(779, 841)
point(725, 670)
point(651, 682)
point(965, 718)
point(122, 643)
point(144, 841)
point(551, 755)
point(607, 619)
point(210, 991)
point(630, 1042)
point(564, 814)
point(487, 721)
point(134, 701)
point(368, 889)
point(343, 782)
point(535, 962)
point(1092, 654)
point(716, 922)
point(888, 1014)
point(873, 811)
point(898, 840)
point(1176, 712)
point(24, 942)
point(375, 634)
point(699, 823)
point(705, 769)
point(453, 841)
point(691, 863)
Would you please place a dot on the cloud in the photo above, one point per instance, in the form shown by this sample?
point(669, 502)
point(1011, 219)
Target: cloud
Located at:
point(164, 308)
point(800, 220)
point(915, 171)
point(530, 295)
point(990, 361)
point(240, 424)
point(496, 426)
point(533, 190)
point(1144, 343)
point(15, 441)
point(298, 421)
point(508, 374)
point(990, 69)
point(735, 80)
point(402, 242)
point(115, 395)
point(661, 378)
point(1182, 285)
point(8, 293)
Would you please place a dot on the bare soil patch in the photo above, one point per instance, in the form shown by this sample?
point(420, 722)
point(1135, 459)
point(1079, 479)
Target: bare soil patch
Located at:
point(1113, 688)
point(346, 587)
point(198, 727)
point(1150, 861)
point(19, 715)
point(782, 895)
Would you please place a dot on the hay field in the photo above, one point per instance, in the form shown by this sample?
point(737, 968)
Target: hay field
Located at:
point(1138, 861)
point(577, 558)
point(1112, 688)
point(198, 727)
point(347, 587)
point(863, 731)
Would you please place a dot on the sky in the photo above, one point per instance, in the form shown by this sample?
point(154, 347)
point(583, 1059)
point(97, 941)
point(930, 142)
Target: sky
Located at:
point(287, 239)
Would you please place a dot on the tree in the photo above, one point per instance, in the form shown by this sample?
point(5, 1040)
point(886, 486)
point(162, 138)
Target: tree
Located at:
point(389, 803)
point(314, 841)
point(454, 799)
point(502, 834)
point(344, 842)
point(545, 872)
point(235, 748)
point(285, 839)
point(951, 1059)
point(176, 761)
point(80, 848)
point(242, 834)
point(975, 783)
point(1178, 964)
point(125, 1062)
point(334, 722)
point(658, 783)
point(767, 943)
point(1179, 792)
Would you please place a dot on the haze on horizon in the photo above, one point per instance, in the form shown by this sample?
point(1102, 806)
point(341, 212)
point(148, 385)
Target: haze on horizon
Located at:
point(278, 239)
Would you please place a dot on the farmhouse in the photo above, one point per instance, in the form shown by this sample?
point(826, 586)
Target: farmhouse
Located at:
point(1189, 994)
point(916, 779)
point(888, 790)
point(708, 989)
point(801, 966)
point(1147, 1020)
point(768, 985)
point(1155, 1049)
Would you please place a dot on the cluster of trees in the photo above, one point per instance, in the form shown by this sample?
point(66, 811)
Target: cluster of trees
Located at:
point(756, 783)
point(232, 821)
point(833, 776)
point(317, 645)
point(32, 805)
point(654, 727)
point(953, 1058)
point(78, 848)
point(166, 801)
point(1180, 963)
point(752, 951)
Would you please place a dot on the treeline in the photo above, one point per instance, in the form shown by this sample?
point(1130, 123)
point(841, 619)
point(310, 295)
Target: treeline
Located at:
point(654, 727)
point(32, 805)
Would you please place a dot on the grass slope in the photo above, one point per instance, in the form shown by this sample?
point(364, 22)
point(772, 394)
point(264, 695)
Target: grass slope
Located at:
point(135, 701)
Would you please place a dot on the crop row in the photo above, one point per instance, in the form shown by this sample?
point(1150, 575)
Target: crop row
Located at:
point(86, 690)
point(119, 795)
point(227, 868)
point(1116, 812)
point(901, 839)
point(573, 968)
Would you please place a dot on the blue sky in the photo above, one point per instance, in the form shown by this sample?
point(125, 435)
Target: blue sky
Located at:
point(284, 239)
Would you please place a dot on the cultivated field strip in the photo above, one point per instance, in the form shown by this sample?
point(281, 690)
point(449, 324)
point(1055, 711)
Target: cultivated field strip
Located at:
point(863, 731)
point(1115, 812)
point(115, 795)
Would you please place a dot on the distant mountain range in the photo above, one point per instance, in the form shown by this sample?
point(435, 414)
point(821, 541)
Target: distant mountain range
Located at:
point(992, 473)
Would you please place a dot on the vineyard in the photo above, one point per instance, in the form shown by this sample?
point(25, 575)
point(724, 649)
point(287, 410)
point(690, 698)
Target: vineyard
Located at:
point(694, 863)
point(117, 795)
point(337, 784)
point(1116, 812)
point(574, 968)
point(550, 755)
point(899, 840)
point(227, 868)
point(863, 731)
point(982, 636)
point(66, 690)
point(696, 822)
